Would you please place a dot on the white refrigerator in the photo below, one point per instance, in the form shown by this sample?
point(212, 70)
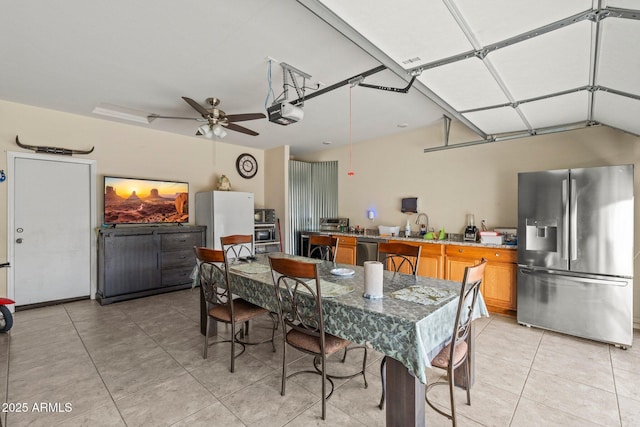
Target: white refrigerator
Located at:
point(224, 213)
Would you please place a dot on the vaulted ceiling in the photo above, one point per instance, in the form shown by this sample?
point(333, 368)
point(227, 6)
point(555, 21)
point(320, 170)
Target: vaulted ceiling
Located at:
point(508, 67)
point(503, 68)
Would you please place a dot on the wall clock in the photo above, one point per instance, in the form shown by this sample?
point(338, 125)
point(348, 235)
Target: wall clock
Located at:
point(247, 165)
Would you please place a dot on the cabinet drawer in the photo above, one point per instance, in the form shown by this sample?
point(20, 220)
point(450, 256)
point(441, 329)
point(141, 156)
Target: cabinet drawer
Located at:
point(184, 258)
point(177, 276)
point(346, 241)
point(431, 249)
point(427, 248)
point(172, 241)
point(475, 252)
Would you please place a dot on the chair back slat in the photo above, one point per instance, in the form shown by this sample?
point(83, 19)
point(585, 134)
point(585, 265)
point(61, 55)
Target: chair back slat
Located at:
point(396, 254)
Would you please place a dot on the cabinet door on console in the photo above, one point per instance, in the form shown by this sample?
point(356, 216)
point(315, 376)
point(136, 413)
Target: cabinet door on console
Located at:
point(132, 263)
point(177, 257)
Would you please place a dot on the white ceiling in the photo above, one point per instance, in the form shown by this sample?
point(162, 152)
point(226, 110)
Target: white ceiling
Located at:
point(146, 55)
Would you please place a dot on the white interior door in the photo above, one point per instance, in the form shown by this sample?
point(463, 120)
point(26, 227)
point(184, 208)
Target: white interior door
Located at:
point(51, 228)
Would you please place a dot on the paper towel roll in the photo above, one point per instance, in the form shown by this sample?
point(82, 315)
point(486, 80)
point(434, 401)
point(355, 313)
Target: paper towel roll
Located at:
point(373, 271)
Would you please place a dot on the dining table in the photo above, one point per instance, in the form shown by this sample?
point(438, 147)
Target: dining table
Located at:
point(410, 323)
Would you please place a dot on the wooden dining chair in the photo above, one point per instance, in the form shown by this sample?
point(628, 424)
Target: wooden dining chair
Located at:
point(237, 245)
point(299, 296)
point(397, 257)
point(400, 257)
point(456, 352)
point(322, 247)
point(241, 246)
point(213, 275)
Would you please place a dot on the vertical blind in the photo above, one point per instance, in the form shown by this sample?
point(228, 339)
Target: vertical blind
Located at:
point(313, 194)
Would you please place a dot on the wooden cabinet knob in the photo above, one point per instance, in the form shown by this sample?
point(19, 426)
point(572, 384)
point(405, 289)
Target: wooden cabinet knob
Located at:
point(460, 250)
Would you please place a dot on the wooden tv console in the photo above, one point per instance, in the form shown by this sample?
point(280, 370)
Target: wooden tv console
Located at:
point(135, 262)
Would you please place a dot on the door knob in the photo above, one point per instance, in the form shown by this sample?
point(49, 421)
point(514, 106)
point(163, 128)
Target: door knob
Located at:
point(19, 240)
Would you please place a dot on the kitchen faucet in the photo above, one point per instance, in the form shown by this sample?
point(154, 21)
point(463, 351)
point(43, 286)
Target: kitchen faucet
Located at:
point(426, 217)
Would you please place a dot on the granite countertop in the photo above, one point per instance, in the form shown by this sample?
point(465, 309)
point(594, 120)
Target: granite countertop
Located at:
point(419, 239)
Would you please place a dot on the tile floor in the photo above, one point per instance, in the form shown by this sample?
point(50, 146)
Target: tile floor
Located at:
point(139, 363)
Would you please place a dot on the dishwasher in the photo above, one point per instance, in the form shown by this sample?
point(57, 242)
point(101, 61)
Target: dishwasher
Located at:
point(366, 250)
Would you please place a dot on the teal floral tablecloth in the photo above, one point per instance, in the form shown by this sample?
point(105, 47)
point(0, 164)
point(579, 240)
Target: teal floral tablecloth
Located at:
point(411, 323)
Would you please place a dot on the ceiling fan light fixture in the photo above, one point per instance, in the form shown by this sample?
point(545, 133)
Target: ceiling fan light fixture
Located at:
point(219, 131)
point(205, 130)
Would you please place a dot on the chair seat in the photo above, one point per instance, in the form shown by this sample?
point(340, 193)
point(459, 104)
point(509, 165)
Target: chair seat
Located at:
point(243, 311)
point(442, 358)
point(310, 343)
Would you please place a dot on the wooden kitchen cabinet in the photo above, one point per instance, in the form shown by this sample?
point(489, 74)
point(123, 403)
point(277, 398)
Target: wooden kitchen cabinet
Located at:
point(140, 261)
point(431, 259)
point(457, 259)
point(499, 283)
point(346, 250)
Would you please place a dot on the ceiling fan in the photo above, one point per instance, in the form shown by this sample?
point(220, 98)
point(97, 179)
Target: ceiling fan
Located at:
point(216, 119)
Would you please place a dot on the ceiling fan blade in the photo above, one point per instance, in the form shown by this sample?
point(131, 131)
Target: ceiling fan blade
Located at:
point(199, 108)
point(158, 116)
point(242, 129)
point(243, 117)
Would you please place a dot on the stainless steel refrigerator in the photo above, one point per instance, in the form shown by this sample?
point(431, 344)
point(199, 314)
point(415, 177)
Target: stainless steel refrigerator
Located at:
point(575, 252)
point(224, 213)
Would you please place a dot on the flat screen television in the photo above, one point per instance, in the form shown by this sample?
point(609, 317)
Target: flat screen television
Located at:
point(145, 201)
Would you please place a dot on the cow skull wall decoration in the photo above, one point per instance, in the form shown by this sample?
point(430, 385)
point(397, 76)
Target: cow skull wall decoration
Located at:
point(52, 150)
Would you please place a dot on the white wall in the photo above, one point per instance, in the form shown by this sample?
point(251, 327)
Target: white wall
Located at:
point(123, 150)
point(276, 187)
point(481, 179)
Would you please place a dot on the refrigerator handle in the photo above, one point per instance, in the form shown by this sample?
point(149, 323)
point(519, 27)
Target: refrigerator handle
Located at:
point(584, 278)
point(565, 220)
point(573, 231)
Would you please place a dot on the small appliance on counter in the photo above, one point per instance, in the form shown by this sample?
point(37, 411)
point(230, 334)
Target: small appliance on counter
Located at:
point(334, 224)
point(471, 231)
point(264, 216)
point(491, 238)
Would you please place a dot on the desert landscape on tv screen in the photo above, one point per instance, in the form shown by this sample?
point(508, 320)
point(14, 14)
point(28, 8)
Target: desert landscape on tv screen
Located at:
point(133, 201)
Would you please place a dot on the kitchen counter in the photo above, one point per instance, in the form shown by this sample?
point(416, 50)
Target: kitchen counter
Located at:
point(417, 239)
point(445, 259)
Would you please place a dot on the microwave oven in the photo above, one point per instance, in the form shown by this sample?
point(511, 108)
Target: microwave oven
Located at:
point(264, 216)
point(264, 234)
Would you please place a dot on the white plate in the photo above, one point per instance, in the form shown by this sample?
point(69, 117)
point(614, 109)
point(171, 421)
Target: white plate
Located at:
point(342, 271)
